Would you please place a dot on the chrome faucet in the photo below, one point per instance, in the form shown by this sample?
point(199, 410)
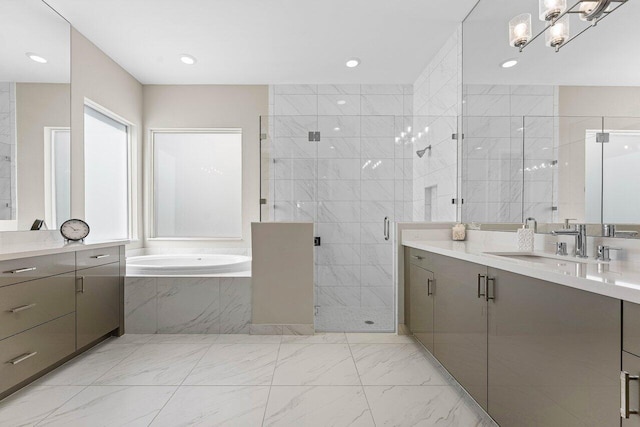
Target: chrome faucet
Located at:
point(581, 239)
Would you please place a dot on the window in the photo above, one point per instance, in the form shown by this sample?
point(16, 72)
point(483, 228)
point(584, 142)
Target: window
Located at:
point(106, 174)
point(197, 184)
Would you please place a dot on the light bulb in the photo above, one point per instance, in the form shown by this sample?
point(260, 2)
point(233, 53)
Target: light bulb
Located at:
point(558, 34)
point(551, 9)
point(520, 30)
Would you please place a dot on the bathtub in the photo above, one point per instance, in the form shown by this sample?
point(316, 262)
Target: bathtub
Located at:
point(187, 264)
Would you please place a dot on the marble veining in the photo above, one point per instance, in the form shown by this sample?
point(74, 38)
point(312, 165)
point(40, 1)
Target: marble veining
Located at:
point(313, 367)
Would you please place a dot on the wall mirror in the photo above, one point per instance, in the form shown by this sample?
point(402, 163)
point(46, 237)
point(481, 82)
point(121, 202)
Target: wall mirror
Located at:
point(34, 116)
point(551, 135)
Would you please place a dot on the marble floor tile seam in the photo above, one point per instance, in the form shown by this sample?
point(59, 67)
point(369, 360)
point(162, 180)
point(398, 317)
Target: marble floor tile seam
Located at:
point(54, 409)
point(273, 375)
point(366, 399)
point(181, 384)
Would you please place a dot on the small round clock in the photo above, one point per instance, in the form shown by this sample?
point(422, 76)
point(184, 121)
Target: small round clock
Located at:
point(74, 230)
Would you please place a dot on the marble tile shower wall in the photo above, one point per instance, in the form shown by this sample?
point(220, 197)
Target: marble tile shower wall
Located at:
point(508, 153)
point(346, 183)
point(7, 150)
point(437, 100)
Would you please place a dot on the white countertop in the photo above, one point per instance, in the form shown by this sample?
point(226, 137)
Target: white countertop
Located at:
point(616, 279)
point(31, 249)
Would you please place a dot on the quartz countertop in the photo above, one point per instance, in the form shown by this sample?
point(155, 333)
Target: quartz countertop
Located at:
point(50, 247)
point(616, 279)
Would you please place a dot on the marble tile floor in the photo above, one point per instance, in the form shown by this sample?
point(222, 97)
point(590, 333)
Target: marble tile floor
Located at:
point(334, 379)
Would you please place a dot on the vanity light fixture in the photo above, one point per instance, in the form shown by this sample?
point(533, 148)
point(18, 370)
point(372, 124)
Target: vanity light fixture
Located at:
point(555, 14)
point(509, 63)
point(188, 59)
point(36, 58)
point(353, 62)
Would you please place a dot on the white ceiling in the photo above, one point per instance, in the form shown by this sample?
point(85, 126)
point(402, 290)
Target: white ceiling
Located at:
point(267, 41)
point(607, 55)
point(31, 26)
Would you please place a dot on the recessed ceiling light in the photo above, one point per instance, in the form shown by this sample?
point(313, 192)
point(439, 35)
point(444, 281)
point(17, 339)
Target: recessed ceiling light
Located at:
point(342, 102)
point(337, 129)
point(37, 58)
point(509, 63)
point(353, 62)
point(187, 59)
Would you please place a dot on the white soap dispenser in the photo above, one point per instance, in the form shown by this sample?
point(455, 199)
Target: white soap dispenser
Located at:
point(526, 235)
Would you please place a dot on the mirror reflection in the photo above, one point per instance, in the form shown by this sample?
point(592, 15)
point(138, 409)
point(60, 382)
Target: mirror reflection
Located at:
point(552, 130)
point(34, 116)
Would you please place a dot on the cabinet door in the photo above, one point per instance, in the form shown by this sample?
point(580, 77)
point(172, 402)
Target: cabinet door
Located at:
point(554, 354)
point(421, 288)
point(631, 364)
point(98, 302)
point(460, 337)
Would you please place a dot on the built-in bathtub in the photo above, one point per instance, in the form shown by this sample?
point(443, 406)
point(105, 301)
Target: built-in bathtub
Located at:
point(199, 293)
point(187, 264)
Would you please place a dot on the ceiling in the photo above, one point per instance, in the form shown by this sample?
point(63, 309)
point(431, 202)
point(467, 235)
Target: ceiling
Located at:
point(267, 41)
point(31, 26)
point(607, 55)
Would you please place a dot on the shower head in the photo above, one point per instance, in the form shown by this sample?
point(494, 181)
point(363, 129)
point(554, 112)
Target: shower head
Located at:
point(420, 153)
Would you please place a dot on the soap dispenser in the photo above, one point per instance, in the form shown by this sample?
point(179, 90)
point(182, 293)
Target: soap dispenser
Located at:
point(526, 235)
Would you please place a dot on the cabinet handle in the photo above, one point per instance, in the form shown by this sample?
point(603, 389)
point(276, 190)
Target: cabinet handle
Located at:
point(429, 289)
point(22, 270)
point(22, 308)
point(101, 256)
point(22, 358)
point(624, 394)
point(418, 257)
point(386, 228)
point(81, 280)
point(480, 277)
point(491, 280)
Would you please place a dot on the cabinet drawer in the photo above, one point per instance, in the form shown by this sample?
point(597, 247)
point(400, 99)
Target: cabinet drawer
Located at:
point(24, 269)
point(94, 257)
point(26, 354)
point(29, 304)
point(631, 328)
point(419, 258)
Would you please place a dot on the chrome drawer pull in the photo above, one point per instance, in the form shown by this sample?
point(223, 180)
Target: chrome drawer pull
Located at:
point(101, 256)
point(81, 280)
point(491, 280)
point(624, 394)
point(22, 358)
point(429, 289)
point(417, 257)
point(22, 308)
point(22, 270)
point(480, 278)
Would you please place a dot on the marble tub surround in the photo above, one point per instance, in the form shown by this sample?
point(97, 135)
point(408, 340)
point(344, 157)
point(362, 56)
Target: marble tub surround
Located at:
point(234, 379)
point(619, 278)
point(188, 305)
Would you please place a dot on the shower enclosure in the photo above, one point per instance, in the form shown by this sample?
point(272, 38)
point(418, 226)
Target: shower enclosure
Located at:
point(343, 157)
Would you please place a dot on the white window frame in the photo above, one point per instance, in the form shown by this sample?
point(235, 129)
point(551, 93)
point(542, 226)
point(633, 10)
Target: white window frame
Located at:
point(150, 178)
point(131, 181)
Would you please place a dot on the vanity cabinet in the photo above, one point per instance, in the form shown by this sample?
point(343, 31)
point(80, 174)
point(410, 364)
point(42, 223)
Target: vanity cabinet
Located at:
point(460, 337)
point(553, 353)
point(530, 352)
point(51, 310)
point(97, 302)
point(630, 365)
point(419, 314)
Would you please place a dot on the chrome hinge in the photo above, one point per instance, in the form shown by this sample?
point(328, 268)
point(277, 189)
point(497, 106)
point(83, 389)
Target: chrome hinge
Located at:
point(263, 136)
point(316, 308)
point(263, 201)
point(454, 136)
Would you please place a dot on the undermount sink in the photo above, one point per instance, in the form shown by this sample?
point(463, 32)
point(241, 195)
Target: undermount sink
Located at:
point(541, 258)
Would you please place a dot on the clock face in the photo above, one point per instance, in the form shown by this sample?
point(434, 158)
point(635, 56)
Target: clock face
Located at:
point(74, 229)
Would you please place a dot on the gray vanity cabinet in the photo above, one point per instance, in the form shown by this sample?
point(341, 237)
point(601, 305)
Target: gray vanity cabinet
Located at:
point(97, 302)
point(460, 336)
point(553, 354)
point(420, 312)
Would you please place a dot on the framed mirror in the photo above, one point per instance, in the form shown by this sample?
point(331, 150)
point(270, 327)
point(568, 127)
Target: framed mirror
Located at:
point(551, 125)
point(35, 132)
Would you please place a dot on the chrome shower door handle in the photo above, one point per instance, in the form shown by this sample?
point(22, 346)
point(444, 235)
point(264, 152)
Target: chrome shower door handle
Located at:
point(386, 228)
